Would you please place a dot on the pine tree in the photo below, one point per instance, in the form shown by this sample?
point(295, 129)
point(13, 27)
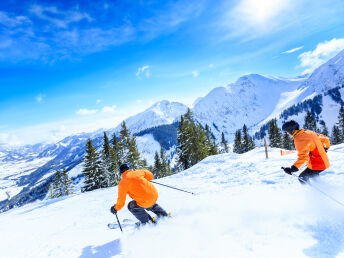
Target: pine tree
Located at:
point(183, 142)
point(336, 135)
point(310, 122)
point(224, 144)
point(92, 170)
point(106, 163)
point(341, 123)
point(116, 149)
point(194, 142)
point(57, 185)
point(67, 187)
point(157, 166)
point(116, 176)
point(123, 144)
point(238, 145)
point(210, 142)
point(166, 168)
point(287, 142)
point(323, 130)
point(128, 152)
point(247, 141)
point(275, 135)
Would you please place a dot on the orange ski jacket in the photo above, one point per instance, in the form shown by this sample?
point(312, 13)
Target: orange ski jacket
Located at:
point(136, 184)
point(310, 148)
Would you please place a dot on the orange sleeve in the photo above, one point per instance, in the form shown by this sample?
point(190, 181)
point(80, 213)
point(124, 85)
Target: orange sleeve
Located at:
point(148, 175)
point(122, 195)
point(325, 141)
point(303, 151)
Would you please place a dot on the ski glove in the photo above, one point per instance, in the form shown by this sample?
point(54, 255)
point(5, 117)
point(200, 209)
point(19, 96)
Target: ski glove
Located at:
point(326, 149)
point(290, 170)
point(113, 210)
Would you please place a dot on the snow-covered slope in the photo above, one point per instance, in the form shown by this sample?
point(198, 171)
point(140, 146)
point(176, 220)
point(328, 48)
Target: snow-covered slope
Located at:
point(250, 100)
point(245, 207)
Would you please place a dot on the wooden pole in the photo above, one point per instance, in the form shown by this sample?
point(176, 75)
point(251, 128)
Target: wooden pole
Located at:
point(266, 149)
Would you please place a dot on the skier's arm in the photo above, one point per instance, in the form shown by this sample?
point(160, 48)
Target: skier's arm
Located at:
point(303, 151)
point(122, 195)
point(325, 141)
point(148, 175)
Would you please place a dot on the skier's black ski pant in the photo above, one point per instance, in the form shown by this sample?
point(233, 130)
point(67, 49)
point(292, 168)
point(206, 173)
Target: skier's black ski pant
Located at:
point(142, 215)
point(308, 173)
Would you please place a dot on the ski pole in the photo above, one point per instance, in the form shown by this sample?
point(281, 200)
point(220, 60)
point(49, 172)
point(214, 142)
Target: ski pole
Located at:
point(319, 190)
point(172, 187)
point(118, 222)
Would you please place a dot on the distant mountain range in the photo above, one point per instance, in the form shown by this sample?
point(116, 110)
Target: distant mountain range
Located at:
point(252, 100)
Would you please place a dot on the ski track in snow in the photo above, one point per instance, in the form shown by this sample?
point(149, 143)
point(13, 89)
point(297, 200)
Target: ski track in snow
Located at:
point(245, 207)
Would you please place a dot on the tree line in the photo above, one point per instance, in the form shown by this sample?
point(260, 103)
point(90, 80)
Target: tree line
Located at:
point(279, 140)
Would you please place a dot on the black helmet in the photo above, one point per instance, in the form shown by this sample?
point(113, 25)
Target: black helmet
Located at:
point(124, 167)
point(290, 126)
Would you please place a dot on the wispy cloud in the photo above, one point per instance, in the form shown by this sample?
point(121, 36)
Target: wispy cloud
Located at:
point(57, 17)
point(324, 51)
point(85, 112)
point(99, 101)
point(109, 109)
point(195, 73)
point(40, 97)
point(144, 70)
point(292, 50)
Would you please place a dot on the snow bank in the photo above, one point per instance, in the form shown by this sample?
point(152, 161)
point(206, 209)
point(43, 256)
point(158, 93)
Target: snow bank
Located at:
point(245, 207)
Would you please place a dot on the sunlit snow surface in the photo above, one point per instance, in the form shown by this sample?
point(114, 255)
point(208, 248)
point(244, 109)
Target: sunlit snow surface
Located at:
point(245, 207)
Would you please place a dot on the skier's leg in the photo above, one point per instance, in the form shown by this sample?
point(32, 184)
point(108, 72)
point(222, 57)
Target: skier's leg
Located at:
point(307, 174)
point(139, 212)
point(158, 210)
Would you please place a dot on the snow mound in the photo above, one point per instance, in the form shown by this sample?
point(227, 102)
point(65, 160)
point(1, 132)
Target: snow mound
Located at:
point(245, 207)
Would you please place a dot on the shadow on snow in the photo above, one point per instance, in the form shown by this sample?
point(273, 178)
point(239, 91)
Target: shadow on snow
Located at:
point(104, 251)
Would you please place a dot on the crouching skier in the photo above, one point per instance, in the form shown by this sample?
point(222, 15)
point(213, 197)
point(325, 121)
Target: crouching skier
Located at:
point(144, 194)
point(311, 148)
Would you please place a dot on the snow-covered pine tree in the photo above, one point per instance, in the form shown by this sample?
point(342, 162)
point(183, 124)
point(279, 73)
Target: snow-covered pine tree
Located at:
point(133, 154)
point(107, 163)
point(310, 122)
point(275, 135)
point(183, 142)
point(336, 135)
point(247, 141)
point(287, 142)
point(210, 142)
point(238, 145)
point(341, 123)
point(116, 149)
point(92, 168)
point(224, 144)
point(115, 176)
point(165, 166)
point(157, 166)
point(67, 187)
point(57, 185)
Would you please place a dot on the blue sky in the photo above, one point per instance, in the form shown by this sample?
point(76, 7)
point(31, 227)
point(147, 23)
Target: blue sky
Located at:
point(73, 66)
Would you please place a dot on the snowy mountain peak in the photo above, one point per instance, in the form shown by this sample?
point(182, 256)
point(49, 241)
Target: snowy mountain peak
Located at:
point(162, 112)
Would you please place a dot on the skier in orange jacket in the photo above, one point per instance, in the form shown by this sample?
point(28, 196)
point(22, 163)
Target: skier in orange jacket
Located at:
point(144, 194)
point(311, 148)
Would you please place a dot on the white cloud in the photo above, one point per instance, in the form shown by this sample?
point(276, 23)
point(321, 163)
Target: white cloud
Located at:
point(39, 98)
point(109, 109)
point(145, 70)
point(60, 19)
point(292, 50)
point(85, 112)
point(99, 101)
point(195, 73)
point(322, 53)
